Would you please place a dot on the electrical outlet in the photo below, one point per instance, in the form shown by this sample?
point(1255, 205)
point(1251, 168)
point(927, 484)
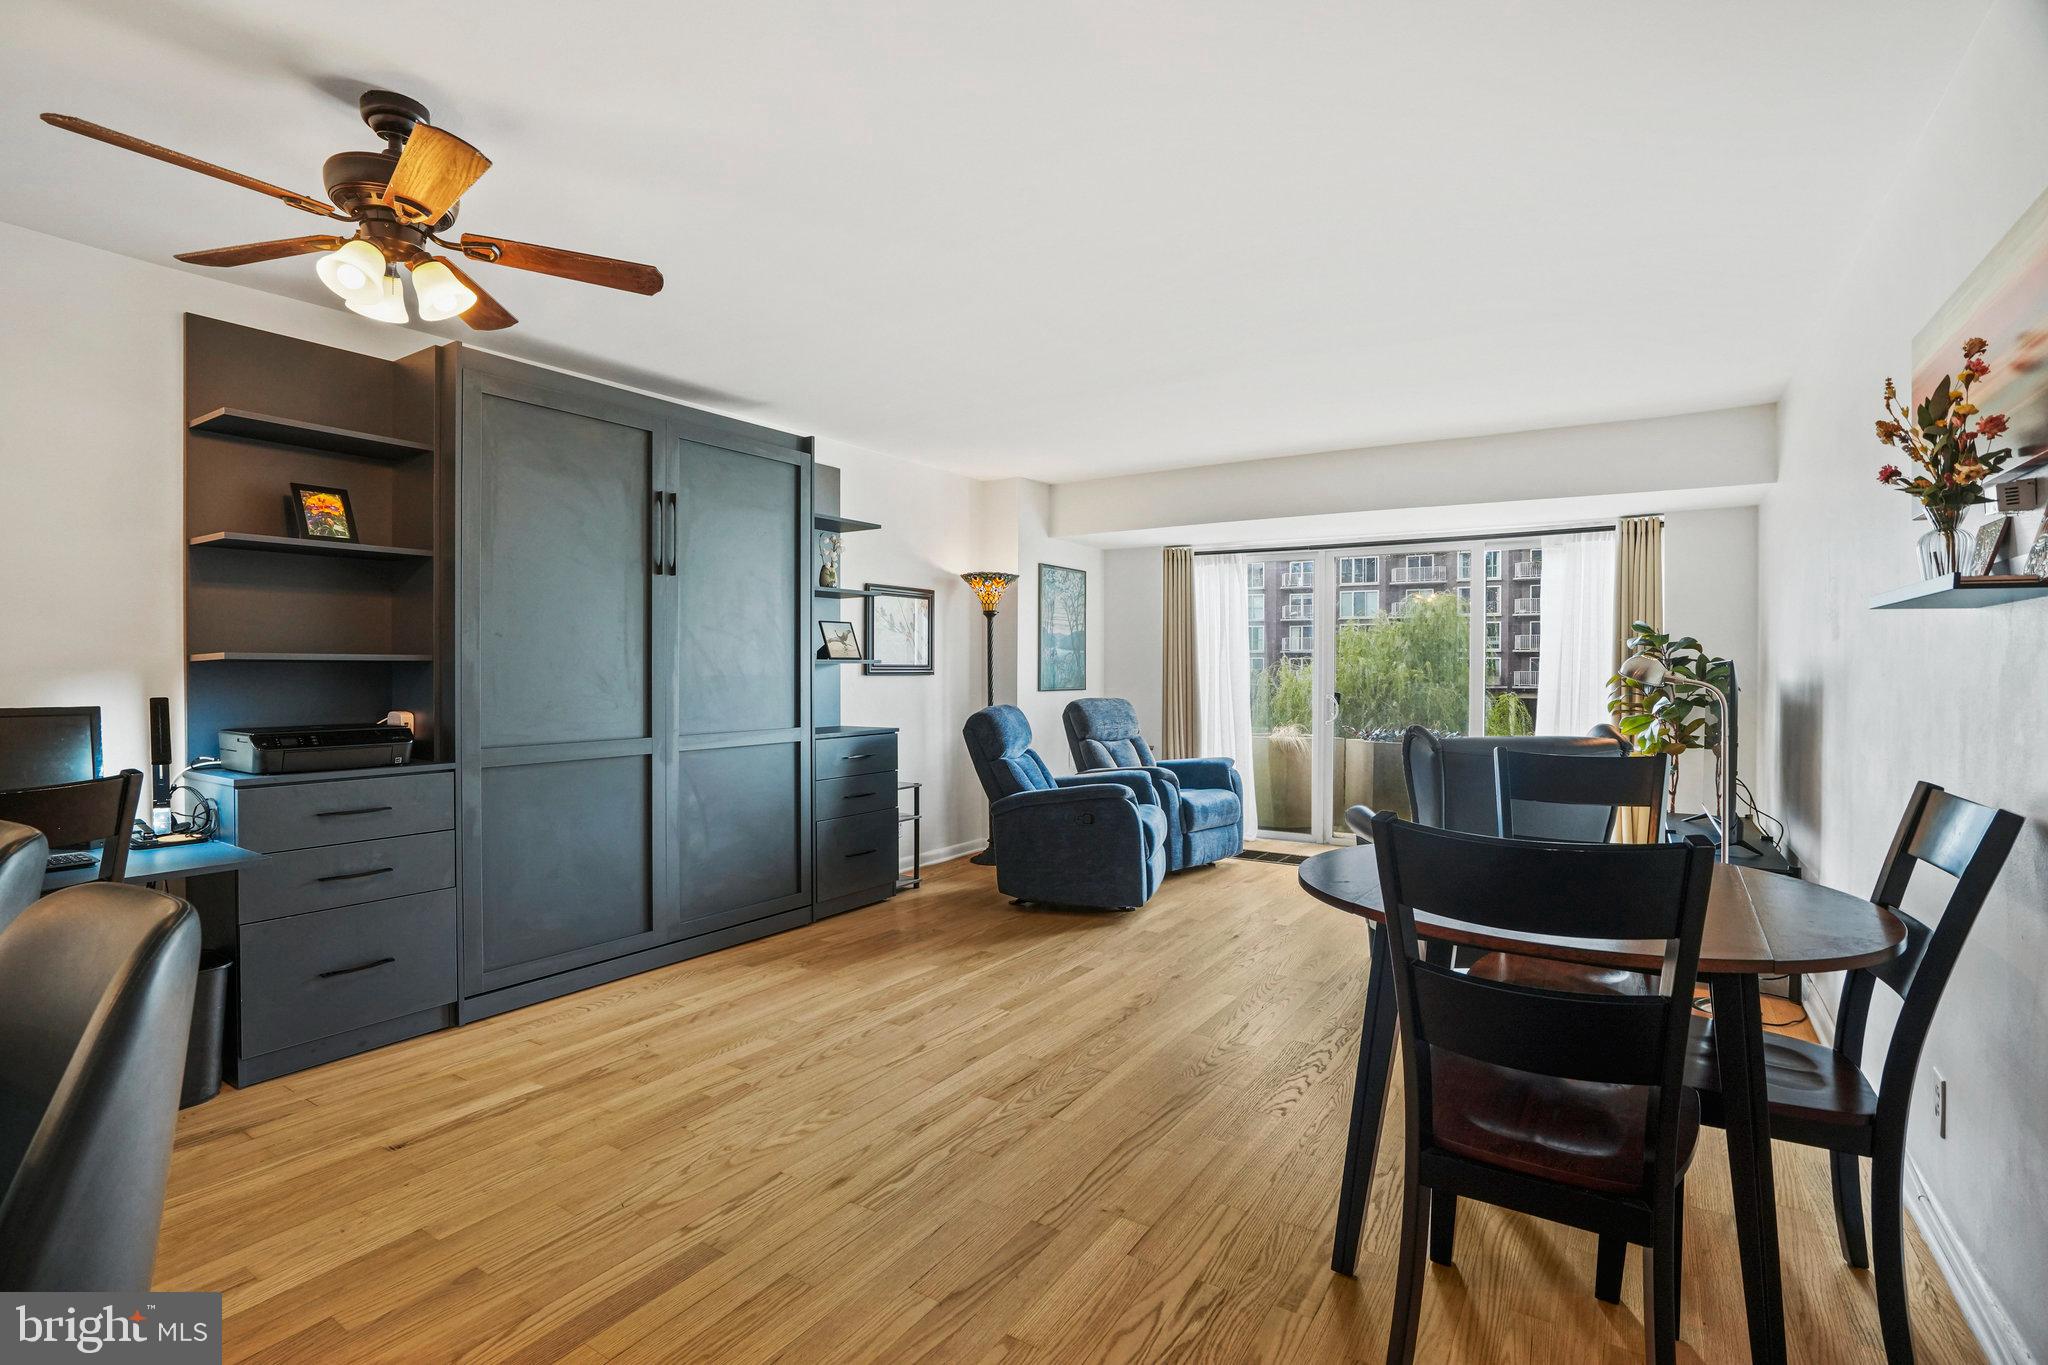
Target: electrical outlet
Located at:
point(1940, 1105)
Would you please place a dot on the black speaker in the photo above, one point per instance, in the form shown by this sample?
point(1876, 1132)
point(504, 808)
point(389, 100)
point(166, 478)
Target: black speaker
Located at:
point(160, 750)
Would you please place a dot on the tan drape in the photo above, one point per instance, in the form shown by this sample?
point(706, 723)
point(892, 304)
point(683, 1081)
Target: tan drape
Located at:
point(1638, 596)
point(1177, 652)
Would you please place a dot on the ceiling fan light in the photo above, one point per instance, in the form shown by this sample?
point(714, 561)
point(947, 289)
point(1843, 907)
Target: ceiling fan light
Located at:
point(440, 293)
point(388, 306)
point(355, 272)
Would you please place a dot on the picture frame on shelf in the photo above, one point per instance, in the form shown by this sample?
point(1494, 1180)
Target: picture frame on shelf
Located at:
point(840, 641)
point(317, 513)
point(1984, 549)
point(2037, 555)
point(899, 622)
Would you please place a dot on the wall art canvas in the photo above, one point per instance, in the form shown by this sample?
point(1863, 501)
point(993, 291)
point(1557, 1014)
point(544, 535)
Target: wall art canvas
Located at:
point(899, 630)
point(1062, 629)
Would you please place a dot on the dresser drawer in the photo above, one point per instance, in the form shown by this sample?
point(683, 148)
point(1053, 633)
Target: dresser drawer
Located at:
point(315, 814)
point(854, 755)
point(322, 878)
point(855, 853)
point(838, 796)
point(312, 976)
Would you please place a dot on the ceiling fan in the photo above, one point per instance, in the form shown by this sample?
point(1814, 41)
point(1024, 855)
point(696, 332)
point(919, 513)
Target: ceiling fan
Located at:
point(399, 200)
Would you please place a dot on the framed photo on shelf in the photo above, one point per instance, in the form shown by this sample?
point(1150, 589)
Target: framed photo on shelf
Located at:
point(840, 641)
point(899, 630)
point(2037, 556)
point(1985, 551)
point(322, 513)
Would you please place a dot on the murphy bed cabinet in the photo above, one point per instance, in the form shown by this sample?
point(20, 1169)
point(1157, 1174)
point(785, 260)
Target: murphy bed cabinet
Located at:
point(632, 679)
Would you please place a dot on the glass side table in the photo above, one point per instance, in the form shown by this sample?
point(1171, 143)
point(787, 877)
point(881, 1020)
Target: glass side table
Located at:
point(914, 818)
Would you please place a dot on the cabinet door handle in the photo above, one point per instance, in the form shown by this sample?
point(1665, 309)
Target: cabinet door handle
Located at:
point(354, 876)
point(352, 810)
point(359, 967)
point(863, 853)
point(654, 531)
point(672, 518)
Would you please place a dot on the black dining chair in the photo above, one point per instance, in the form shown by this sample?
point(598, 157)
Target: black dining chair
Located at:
point(1821, 1097)
point(74, 814)
point(23, 851)
point(1566, 1105)
point(98, 981)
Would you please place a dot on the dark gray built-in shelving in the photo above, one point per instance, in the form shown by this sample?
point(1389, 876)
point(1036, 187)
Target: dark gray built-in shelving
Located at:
point(294, 545)
point(290, 431)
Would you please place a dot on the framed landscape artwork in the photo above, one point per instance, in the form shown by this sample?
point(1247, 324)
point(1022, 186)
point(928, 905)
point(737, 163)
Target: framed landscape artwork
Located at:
point(1062, 629)
point(899, 630)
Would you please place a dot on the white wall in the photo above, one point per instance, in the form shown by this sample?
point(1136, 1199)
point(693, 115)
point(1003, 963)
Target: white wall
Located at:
point(1037, 545)
point(1133, 587)
point(1860, 703)
point(1710, 592)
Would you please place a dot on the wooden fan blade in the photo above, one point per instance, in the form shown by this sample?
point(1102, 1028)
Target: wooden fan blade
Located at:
point(568, 265)
point(318, 207)
point(261, 251)
point(434, 171)
point(486, 314)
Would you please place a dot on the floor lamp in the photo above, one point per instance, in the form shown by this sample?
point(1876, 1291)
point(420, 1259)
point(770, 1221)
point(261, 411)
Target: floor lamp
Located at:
point(1648, 671)
point(989, 587)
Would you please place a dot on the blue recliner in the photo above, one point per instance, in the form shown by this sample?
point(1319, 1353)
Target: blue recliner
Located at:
point(1097, 839)
point(1203, 797)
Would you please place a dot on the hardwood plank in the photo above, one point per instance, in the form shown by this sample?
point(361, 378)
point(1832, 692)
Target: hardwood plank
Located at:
point(941, 1127)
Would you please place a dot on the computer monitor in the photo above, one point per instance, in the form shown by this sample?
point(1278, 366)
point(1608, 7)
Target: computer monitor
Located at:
point(41, 746)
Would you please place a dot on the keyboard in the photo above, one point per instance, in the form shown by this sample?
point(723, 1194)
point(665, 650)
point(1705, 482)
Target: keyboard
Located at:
point(66, 862)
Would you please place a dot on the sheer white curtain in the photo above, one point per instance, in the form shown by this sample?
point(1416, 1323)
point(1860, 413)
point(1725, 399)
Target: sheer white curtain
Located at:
point(1577, 619)
point(1223, 670)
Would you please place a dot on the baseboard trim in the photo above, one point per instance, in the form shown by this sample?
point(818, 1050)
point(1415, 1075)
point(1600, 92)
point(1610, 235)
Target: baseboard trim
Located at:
point(934, 856)
point(1989, 1322)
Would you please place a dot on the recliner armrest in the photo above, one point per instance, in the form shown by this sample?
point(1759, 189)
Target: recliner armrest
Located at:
point(1137, 781)
point(1114, 792)
point(1216, 773)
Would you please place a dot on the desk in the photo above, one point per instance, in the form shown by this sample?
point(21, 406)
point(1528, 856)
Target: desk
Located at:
point(1758, 924)
point(155, 864)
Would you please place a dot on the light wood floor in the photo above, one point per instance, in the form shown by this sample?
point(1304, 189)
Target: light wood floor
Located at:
point(939, 1128)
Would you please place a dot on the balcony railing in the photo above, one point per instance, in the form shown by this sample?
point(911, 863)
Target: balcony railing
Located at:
point(1303, 579)
point(1528, 606)
point(1528, 644)
point(1528, 569)
point(1525, 677)
point(1435, 573)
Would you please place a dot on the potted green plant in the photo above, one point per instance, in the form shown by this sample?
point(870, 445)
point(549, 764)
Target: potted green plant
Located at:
point(1668, 720)
point(1941, 440)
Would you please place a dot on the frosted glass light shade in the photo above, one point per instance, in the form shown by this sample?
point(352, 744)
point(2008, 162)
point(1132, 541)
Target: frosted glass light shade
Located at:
point(440, 294)
point(355, 272)
point(388, 306)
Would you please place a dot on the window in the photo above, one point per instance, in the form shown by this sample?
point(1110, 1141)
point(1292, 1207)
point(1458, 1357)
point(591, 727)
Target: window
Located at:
point(1300, 606)
point(1465, 570)
point(1355, 604)
point(1493, 599)
point(1259, 640)
point(1255, 575)
point(1493, 637)
point(1464, 599)
point(1493, 566)
point(1300, 640)
point(1493, 670)
point(1301, 573)
point(1256, 608)
point(1358, 569)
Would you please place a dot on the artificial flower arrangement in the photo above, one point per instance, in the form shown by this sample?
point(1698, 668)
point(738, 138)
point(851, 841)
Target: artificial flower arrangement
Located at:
point(1941, 439)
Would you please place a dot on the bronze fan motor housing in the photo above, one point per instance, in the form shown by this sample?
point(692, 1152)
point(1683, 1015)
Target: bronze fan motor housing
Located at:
point(400, 200)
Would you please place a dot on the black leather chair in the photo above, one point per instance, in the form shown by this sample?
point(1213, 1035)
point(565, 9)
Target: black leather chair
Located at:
point(81, 813)
point(98, 983)
point(22, 853)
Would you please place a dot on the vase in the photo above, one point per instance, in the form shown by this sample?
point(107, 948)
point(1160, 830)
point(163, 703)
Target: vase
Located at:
point(1940, 549)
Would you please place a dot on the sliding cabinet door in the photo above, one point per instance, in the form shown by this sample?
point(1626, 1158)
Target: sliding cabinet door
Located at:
point(742, 825)
point(566, 626)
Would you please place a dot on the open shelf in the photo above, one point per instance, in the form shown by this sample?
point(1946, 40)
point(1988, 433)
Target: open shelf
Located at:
point(242, 657)
point(1958, 590)
point(296, 545)
point(844, 592)
point(289, 431)
point(823, 660)
point(826, 522)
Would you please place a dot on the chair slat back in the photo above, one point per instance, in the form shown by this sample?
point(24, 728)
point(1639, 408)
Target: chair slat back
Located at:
point(1616, 1039)
point(1451, 780)
point(1535, 788)
point(80, 813)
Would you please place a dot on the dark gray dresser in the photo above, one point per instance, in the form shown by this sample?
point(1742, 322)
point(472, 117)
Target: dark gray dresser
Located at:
point(348, 928)
point(855, 808)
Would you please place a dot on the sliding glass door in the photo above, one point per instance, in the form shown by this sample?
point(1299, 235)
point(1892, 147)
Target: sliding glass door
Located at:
point(1352, 646)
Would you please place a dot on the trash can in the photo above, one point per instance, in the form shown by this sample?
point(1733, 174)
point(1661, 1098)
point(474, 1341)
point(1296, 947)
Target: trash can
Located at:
point(209, 1028)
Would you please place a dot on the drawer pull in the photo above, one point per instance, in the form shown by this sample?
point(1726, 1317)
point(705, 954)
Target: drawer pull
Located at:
point(850, 757)
point(360, 967)
point(354, 810)
point(856, 796)
point(354, 876)
point(864, 853)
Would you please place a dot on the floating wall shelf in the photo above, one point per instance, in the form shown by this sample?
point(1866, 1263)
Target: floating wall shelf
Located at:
point(288, 431)
point(841, 525)
point(844, 592)
point(241, 657)
point(1953, 591)
point(295, 545)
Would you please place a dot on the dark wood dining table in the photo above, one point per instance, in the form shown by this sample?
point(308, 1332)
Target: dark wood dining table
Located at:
point(1758, 924)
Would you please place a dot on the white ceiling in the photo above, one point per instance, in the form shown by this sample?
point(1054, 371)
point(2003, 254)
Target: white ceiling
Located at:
point(1060, 238)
